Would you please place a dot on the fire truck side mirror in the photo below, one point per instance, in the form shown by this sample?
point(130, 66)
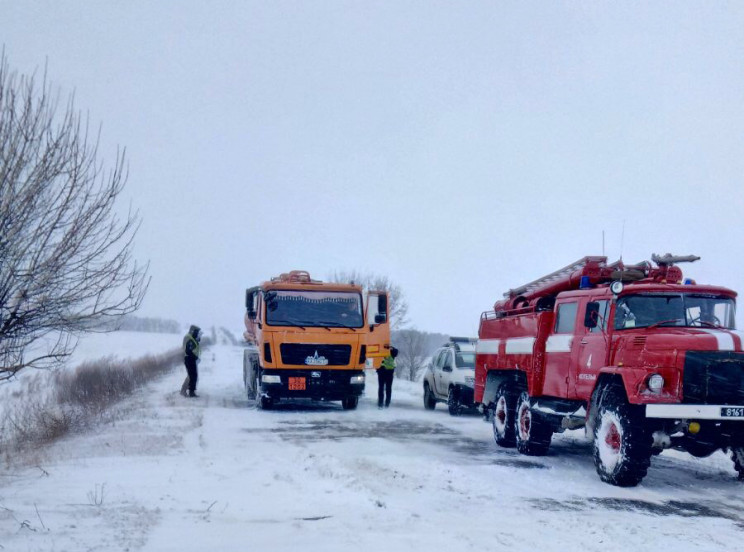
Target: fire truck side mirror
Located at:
point(591, 316)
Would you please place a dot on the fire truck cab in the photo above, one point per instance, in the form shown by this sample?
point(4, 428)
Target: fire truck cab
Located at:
point(307, 339)
point(641, 359)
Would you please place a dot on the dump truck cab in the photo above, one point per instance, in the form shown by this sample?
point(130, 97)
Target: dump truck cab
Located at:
point(311, 340)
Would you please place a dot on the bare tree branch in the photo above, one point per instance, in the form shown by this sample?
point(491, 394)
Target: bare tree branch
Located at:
point(397, 307)
point(65, 249)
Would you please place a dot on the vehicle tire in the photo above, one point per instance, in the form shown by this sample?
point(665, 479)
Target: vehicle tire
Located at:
point(453, 402)
point(350, 402)
point(262, 402)
point(533, 433)
point(430, 401)
point(737, 455)
point(502, 417)
point(622, 443)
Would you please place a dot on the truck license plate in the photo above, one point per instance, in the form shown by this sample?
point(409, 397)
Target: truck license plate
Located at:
point(297, 384)
point(729, 412)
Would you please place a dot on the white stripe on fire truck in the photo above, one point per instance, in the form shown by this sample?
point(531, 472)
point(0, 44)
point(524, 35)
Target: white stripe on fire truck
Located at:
point(520, 345)
point(559, 343)
point(725, 340)
point(738, 339)
point(487, 346)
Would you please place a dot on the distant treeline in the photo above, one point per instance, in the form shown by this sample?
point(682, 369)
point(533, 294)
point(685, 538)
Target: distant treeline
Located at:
point(131, 323)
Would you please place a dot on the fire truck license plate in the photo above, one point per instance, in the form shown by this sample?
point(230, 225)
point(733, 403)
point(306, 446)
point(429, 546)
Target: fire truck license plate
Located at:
point(728, 412)
point(297, 384)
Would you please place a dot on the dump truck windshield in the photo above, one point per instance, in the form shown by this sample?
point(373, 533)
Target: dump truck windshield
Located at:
point(681, 309)
point(326, 309)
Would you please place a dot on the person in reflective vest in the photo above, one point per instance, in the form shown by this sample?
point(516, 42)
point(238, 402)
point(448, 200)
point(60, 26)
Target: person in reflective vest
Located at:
point(191, 353)
point(385, 374)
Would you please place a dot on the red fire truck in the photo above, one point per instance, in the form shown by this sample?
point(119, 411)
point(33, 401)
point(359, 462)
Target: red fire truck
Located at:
point(641, 359)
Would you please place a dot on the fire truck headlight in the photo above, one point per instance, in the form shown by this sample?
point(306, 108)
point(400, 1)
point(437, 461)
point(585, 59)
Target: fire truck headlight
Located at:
point(357, 379)
point(655, 383)
point(271, 379)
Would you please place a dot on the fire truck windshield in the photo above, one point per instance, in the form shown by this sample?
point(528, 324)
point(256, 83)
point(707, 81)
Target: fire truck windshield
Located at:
point(325, 309)
point(669, 309)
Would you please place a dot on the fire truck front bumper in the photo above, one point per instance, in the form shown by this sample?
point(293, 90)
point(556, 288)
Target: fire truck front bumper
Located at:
point(696, 411)
point(329, 385)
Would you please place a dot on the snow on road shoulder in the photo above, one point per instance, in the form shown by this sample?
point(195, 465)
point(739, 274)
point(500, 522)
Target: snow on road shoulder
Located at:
point(215, 473)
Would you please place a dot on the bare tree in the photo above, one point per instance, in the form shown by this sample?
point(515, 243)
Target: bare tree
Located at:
point(65, 250)
point(397, 304)
point(412, 353)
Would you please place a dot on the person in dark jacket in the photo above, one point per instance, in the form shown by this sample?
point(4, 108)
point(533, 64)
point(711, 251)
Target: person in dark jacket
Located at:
point(385, 374)
point(191, 353)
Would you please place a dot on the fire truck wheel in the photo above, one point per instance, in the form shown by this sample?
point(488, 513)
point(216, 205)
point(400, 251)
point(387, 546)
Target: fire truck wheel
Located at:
point(622, 445)
point(502, 417)
point(737, 455)
point(429, 400)
point(532, 432)
point(350, 402)
point(453, 402)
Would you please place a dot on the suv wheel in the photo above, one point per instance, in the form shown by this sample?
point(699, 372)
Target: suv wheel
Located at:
point(453, 402)
point(429, 400)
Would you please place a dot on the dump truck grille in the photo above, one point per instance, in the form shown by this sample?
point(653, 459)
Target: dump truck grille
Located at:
point(308, 354)
point(713, 378)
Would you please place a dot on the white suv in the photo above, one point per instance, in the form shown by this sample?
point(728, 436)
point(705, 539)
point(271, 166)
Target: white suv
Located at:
point(451, 375)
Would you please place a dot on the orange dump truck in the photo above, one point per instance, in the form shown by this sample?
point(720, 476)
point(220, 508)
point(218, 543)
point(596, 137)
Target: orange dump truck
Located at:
point(309, 339)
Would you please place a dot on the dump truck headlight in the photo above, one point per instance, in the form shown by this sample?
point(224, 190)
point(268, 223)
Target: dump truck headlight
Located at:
point(271, 379)
point(357, 379)
point(655, 383)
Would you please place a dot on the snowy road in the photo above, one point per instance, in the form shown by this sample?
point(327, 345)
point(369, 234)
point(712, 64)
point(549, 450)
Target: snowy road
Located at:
point(216, 474)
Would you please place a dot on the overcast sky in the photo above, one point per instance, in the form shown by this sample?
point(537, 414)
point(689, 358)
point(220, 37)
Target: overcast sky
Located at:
point(460, 148)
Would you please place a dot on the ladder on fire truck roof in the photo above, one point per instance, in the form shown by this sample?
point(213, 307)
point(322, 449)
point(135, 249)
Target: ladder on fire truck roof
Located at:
point(555, 276)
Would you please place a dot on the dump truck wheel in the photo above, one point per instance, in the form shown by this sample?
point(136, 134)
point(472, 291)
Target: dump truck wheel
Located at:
point(533, 434)
point(262, 402)
point(350, 402)
point(504, 408)
point(622, 445)
point(430, 402)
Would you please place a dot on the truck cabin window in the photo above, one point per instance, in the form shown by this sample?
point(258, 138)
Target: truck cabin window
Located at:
point(679, 310)
point(565, 319)
point(325, 309)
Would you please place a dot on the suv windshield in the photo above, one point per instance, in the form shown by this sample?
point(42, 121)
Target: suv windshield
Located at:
point(681, 309)
point(325, 309)
point(465, 360)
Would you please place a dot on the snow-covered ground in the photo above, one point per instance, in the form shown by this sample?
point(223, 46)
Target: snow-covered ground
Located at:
point(216, 474)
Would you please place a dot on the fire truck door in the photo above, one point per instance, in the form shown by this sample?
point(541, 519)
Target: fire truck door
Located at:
point(378, 326)
point(558, 349)
point(591, 349)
